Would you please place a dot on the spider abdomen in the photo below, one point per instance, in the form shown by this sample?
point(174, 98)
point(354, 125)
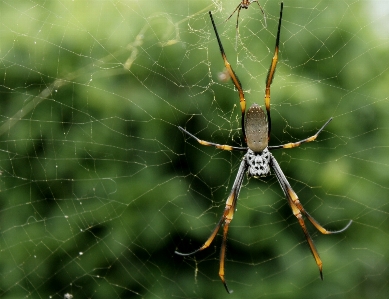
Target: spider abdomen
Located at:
point(258, 163)
point(256, 128)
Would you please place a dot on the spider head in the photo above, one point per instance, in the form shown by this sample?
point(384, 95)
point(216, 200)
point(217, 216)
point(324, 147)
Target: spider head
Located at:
point(245, 4)
point(256, 128)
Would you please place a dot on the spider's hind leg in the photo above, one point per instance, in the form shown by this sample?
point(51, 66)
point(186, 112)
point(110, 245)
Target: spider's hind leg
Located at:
point(298, 211)
point(226, 218)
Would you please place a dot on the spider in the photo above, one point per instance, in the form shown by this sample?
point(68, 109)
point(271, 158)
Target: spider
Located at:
point(258, 160)
point(244, 5)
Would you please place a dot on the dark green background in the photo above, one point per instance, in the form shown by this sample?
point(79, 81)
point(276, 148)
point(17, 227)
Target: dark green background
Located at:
point(99, 188)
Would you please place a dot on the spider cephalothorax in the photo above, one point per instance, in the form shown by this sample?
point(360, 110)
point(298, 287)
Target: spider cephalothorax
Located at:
point(258, 160)
point(258, 163)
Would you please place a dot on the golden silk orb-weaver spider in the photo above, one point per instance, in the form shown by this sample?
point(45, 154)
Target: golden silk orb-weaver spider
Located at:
point(258, 161)
point(244, 5)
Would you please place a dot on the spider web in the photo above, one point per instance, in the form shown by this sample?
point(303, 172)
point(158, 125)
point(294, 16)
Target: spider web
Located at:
point(99, 187)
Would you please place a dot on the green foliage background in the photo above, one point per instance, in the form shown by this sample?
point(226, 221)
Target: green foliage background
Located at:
point(98, 187)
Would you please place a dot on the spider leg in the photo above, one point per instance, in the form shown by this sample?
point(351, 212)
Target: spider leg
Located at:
point(232, 74)
point(263, 12)
point(298, 143)
point(210, 238)
point(237, 17)
point(272, 69)
point(238, 7)
point(227, 216)
point(299, 211)
point(223, 253)
point(237, 27)
point(224, 147)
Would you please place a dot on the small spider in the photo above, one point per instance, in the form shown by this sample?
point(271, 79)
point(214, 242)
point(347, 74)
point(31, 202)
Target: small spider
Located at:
point(244, 5)
point(258, 160)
